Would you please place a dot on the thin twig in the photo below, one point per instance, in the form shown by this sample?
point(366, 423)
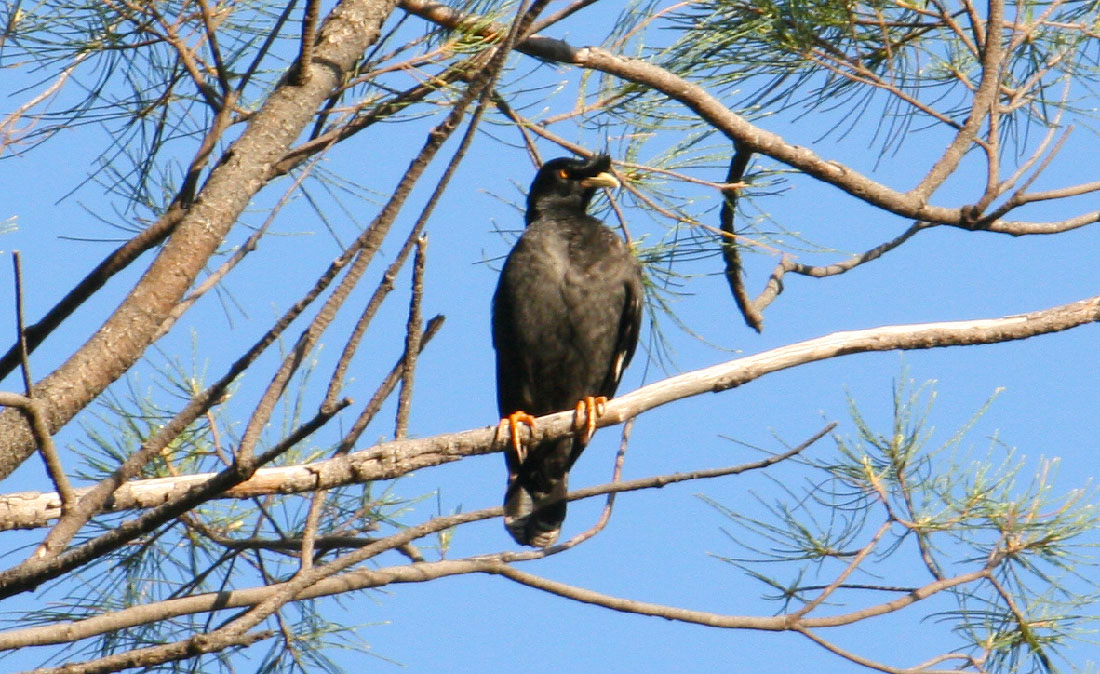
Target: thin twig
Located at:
point(20, 329)
point(389, 383)
point(413, 337)
point(385, 285)
point(739, 162)
point(854, 564)
point(865, 662)
point(309, 532)
point(775, 282)
point(34, 409)
point(616, 477)
point(215, 50)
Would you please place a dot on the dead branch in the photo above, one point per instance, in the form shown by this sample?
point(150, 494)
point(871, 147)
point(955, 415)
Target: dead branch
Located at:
point(392, 459)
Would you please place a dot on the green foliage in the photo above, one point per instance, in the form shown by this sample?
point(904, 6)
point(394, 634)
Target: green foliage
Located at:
point(915, 63)
point(992, 532)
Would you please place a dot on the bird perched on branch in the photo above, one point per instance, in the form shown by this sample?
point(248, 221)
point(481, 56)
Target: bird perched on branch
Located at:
point(566, 314)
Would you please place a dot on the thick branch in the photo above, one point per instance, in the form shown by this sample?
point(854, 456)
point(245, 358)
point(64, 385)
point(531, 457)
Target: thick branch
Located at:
point(392, 459)
point(122, 339)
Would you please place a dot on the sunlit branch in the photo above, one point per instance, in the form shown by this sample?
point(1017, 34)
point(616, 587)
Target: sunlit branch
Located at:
point(183, 649)
point(396, 458)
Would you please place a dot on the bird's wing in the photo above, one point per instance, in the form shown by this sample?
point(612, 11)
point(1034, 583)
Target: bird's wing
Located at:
point(510, 367)
point(630, 322)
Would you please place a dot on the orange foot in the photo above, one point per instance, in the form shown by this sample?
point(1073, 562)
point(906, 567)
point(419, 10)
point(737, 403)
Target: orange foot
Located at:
point(586, 413)
point(512, 421)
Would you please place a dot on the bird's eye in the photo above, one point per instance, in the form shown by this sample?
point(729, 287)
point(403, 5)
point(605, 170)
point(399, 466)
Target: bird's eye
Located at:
point(563, 174)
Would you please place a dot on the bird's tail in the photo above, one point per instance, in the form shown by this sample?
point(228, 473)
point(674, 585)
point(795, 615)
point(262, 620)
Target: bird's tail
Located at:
point(534, 503)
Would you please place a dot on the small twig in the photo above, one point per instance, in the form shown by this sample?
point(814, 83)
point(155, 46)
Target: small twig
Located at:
point(860, 660)
point(616, 477)
point(522, 124)
point(384, 390)
point(857, 559)
point(274, 32)
point(54, 467)
point(561, 14)
point(309, 532)
point(215, 51)
point(21, 334)
point(413, 337)
point(775, 282)
point(34, 409)
point(730, 252)
point(336, 381)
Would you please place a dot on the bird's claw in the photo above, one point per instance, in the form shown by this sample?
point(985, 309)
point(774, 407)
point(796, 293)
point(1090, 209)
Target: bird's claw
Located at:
point(587, 412)
point(512, 421)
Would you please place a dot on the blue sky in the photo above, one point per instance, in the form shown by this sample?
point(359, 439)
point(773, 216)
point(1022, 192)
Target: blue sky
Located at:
point(661, 546)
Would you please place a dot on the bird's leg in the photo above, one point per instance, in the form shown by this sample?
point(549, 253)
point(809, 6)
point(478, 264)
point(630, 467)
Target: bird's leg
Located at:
point(512, 421)
point(588, 410)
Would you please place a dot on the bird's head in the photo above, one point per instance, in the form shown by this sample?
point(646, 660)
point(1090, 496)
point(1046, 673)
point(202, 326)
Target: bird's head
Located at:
point(568, 184)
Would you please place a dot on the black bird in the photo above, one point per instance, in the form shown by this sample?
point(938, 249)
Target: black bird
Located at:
point(566, 314)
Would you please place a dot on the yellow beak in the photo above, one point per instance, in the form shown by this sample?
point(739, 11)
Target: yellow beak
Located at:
point(602, 179)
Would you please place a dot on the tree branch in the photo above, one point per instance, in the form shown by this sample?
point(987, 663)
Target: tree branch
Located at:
point(365, 578)
point(910, 205)
point(125, 335)
point(392, 459)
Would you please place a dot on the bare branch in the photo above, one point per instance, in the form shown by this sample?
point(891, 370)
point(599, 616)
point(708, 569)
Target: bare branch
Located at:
point(364, 578)
point(152, 655)
point(396, 458)
point(775, 282)
point(413, 337)
point(773, 623)
point(33, 408)
point(739, 161)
